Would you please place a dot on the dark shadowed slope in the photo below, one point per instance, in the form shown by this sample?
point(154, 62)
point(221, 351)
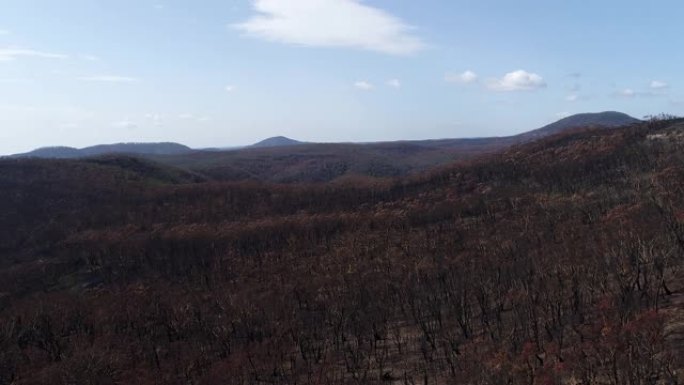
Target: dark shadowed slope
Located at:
point(146, 169)
point(32, 187)
point(166, 148)
point(327, 161)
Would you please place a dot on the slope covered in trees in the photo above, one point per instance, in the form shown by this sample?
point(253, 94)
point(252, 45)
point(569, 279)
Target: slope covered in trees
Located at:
point(553, 262)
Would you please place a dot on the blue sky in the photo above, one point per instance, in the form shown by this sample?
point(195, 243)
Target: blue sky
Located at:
point(222, 73)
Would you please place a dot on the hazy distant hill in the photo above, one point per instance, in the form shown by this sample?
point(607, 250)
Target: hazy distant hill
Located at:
point(279, 160)
point(166, 148)
point(599, 119)
point(276, 141)
point(51, 152)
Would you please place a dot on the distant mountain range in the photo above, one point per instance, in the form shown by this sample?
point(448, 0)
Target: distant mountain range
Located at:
point(165, 148)
point(601, 119)
point(284, 160)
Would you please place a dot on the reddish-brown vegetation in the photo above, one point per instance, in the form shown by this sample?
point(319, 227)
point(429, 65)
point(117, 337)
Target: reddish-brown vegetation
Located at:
point(555, 262)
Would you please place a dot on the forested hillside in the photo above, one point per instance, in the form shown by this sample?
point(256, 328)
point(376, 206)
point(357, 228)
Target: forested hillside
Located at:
point(554, 262)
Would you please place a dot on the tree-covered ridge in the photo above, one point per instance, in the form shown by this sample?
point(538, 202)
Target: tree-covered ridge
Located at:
point(554, 262)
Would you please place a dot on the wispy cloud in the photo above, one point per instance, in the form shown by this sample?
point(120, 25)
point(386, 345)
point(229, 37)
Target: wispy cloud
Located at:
point(519, 80)
point(109, 79)
point(466, 77)
point(659, 85)
point(572, 98)
point(229, 88)
point(4, 32)
point(363, 85)
point(331, 23)
point(192, 117)
point(656, 90)
point(10, 54)
point(394, 83)
point(627, 93)
point(125, 123)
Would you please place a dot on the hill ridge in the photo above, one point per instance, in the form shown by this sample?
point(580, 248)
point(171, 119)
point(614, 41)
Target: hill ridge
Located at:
point(590, 119)
point(587, 119)
point(138, 148)
point(276, 141)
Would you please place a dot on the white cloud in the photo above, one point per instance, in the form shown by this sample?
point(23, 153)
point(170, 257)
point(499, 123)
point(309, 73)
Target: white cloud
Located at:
point(394, 83)
point(466, 77)
point(193, 117)
point(126, 123)
point(656, 89)
point(627, 93)
point(572, 98)
point(230, 88)
point(331, 23)
point(109, 79)
point(519, 80)
point(659, 85)
point(9, 54)
point(363, 85)
point(4, 32)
